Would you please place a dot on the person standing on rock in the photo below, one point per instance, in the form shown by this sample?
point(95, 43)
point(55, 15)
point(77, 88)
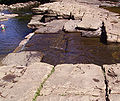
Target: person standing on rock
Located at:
point(103, 37)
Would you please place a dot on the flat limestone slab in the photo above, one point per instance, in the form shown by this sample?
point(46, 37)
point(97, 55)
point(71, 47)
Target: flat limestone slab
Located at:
point(113, 78)
point(23, 58)
point(51, 27)
point(25, 88)
point(91, 17)
point(80, 82)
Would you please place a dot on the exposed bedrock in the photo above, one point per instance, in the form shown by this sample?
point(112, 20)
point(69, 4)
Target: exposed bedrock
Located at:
point(19, 6)
point(44, 82)
point(23, 58)
point(74, 82)
point(79, 17)
point(20, 83)
point(112, 73)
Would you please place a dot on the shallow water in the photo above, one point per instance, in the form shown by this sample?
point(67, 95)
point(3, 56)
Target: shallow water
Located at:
point(113, 9)
point(72, 48)
point(16, 30)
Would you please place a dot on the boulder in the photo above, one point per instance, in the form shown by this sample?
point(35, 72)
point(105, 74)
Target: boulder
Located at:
point(79, 82)
point(23, 58)
point(112, 73)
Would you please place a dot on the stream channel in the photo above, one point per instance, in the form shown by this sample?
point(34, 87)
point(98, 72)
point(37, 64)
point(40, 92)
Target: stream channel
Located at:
point(58, 48)
point(16, 30)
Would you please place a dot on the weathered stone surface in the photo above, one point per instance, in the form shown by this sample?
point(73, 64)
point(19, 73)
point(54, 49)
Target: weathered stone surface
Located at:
point(90, 22)
point(22, 58)
point(113, 28)
point(113, 78)
point(18, 6)
point(3, 7)
point(52, 27)
point(25, 88)
point(69, 98)
point(91, 17)
point(71, 25)
point(35, 22)
point(83, 82)
point(114, 97)
point(9, 75)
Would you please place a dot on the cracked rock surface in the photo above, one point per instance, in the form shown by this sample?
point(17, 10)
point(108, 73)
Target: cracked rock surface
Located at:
point(113, 78)
point(27, 85)
point(83, 82)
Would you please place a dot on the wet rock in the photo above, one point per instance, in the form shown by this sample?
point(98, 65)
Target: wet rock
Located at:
point(25, 88)
point(22, 58)
point(74, 82)
point(52, 27)
point(113, 78)
point(23, 43)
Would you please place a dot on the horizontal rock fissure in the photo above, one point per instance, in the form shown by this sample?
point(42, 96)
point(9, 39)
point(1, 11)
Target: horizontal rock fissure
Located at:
point(85, 29)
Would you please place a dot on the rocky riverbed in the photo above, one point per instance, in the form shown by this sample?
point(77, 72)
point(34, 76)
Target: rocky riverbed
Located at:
point(24, 77)
point(78, 17)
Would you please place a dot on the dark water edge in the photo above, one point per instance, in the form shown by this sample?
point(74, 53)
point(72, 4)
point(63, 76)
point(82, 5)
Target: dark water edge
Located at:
point(113, 9)
point(16, 30)
point(71, 48)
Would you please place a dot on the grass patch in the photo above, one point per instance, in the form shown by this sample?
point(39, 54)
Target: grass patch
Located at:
point(41, 85)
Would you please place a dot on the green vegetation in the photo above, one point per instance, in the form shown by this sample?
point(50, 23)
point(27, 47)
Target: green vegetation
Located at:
point(41, 85)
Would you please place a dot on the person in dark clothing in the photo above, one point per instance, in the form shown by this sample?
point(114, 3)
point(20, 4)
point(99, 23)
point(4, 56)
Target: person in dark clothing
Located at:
point(103, 37)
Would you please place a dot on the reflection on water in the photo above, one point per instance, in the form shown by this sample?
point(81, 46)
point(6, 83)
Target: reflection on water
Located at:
point(72, 48)
point(16, 30)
